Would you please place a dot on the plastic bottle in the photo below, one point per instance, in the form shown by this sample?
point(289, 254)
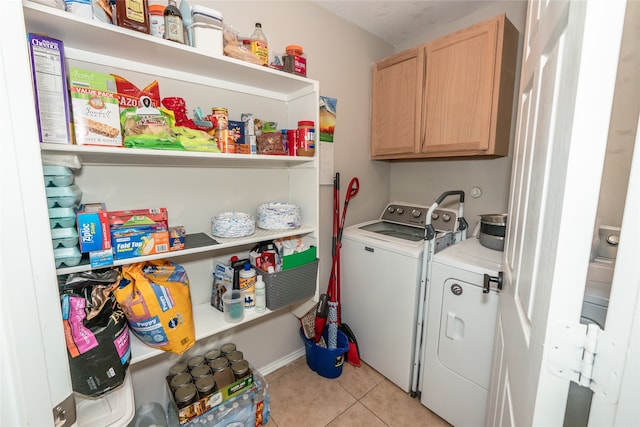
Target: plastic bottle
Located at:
point(261, 295)
point(156, 20)
point(306, 138)
point(259, 44)
point(173, 29)
point(248, 285)
point(133, 14)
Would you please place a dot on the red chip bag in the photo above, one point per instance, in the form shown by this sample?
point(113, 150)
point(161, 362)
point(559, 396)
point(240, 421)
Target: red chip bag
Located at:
point(129, 94)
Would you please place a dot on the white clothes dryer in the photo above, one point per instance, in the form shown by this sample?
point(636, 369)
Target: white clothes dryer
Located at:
point(462, 307)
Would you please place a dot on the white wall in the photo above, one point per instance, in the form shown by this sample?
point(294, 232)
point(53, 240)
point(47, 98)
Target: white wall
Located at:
point(423, 181)
point(624, 117)
point(339, 56)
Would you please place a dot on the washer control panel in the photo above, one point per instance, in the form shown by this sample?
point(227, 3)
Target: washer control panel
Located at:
point(443, 219)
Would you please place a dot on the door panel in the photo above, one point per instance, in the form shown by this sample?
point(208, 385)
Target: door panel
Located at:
point(568, 76)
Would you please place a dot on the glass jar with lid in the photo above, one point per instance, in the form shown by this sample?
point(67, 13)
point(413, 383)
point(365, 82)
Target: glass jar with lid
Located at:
point(186, 395)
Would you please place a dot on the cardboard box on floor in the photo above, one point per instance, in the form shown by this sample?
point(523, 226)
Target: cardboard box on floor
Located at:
point(210, 402)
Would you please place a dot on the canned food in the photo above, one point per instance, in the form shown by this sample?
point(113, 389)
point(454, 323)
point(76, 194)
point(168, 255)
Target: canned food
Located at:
point(186, 395)
point(222, 116)
point(224, 377)
point(292, 141)
point(178, 368)
point(195, 361)
point(219, 364)
point(234, 356)
point(212, 354)
point(228, 348)
point(225, 141)
point(200, 371)
point(240, 369)
point(180, 380)
point(205, 385)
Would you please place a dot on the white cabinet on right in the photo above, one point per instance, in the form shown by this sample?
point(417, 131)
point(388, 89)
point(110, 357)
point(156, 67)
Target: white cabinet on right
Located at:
point(462, 87)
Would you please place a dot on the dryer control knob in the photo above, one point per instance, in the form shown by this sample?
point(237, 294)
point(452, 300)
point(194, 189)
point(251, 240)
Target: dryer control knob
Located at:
point(399, 211)
point(446, 217)
point(435, 216)
point(416, 213)
point(391, 209)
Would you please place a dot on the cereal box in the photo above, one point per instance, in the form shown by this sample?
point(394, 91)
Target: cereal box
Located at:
point(96, 115)
point(50, 85)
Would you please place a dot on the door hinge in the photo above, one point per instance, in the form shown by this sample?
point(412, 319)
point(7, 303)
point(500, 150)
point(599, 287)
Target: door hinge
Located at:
point(579, 353)
point(64, 414)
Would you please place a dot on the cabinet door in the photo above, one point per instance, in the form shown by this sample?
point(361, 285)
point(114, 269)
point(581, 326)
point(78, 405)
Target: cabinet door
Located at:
point(469, 90)
point(396, 104)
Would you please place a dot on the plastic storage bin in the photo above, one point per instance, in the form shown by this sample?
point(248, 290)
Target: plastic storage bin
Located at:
point(62, 217)
point(325, 361)
point(289, 286)
point(57, 176)
point(63, 197)
point(207, 29)
point(69, 257)
point(64, 237)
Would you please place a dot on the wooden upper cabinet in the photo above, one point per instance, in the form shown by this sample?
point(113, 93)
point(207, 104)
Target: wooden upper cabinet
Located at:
point(395, 109)
point(464, 95)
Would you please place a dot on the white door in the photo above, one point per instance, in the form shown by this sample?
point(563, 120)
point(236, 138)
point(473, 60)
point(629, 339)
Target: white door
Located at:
point(569, 65)
point(35, 372)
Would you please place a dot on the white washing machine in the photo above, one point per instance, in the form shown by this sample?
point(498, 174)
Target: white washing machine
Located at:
point(381, 267)
point(462, 308)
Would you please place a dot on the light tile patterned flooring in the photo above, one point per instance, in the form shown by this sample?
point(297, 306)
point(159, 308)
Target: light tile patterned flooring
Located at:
point(358, 397)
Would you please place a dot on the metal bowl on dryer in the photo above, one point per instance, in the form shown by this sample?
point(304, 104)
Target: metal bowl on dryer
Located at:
point(493, 228)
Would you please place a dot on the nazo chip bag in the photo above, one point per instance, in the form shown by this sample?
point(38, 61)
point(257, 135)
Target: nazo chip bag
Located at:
point(156, 299)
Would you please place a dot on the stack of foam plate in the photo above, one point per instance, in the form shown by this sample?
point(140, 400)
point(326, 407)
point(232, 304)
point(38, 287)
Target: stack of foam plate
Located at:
point(233, 224)
point(278, 216)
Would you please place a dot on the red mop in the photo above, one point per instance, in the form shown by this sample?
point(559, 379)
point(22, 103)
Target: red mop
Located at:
point(353, 355)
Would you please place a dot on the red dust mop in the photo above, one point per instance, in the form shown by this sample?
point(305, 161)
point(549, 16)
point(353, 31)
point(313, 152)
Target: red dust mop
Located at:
point(353, 355)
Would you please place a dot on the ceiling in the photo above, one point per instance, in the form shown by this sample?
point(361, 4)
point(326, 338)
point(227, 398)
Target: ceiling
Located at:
point(396, 21)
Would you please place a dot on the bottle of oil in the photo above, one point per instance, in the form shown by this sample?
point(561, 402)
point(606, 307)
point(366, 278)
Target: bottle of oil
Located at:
point(259, 44)
point(173, 29)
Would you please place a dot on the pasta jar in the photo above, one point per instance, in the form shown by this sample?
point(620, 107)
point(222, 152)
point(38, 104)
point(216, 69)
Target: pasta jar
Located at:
point(306, 138)
point(295, 60)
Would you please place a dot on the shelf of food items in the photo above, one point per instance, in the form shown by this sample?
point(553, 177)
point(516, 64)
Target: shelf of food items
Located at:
point(155, 295)
point(94, 115)
point(208, 44)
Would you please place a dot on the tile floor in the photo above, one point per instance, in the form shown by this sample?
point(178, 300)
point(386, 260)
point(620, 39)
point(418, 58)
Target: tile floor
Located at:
point(359, 397)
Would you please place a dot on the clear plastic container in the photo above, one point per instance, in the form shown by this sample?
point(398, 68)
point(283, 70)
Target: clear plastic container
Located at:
point(233, 303)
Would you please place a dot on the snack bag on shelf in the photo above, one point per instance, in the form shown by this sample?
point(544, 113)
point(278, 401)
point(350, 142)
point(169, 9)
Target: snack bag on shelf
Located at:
point(156, 299)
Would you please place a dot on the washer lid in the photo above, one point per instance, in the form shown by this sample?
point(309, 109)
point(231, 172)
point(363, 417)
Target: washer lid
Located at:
point(470, 255)
point(359, 233)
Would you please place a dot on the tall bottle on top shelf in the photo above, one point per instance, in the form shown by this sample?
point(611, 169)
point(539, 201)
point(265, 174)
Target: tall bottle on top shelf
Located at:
point(173, 29)
point(259, 44)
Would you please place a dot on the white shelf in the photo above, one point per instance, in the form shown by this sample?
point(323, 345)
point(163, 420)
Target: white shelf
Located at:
point(208, 321)
point(258, 236)
point(111, 45)
point(97, 155)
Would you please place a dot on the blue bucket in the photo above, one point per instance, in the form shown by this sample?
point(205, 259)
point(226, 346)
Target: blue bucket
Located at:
point(325, 361)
